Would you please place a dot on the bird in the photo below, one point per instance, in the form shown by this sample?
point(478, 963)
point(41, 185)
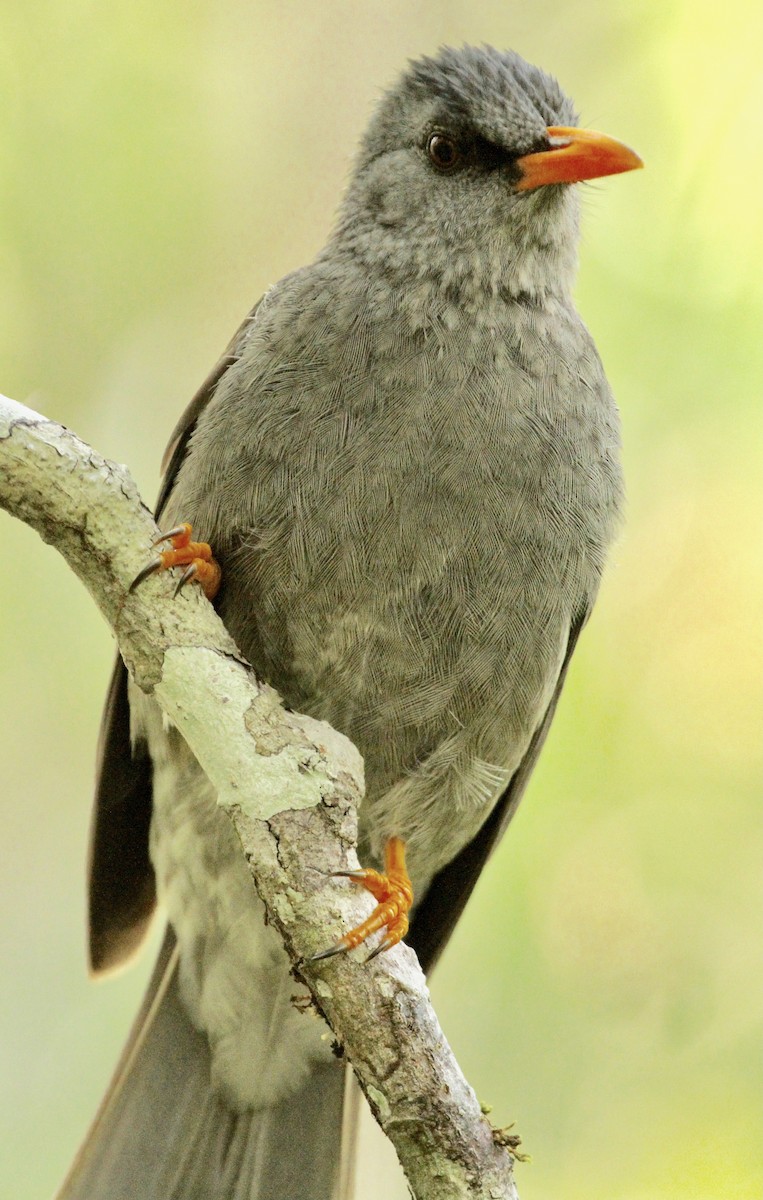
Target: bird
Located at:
point(407, 467)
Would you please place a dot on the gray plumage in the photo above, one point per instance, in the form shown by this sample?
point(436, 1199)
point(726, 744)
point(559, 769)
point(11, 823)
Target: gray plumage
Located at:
point(407, 465)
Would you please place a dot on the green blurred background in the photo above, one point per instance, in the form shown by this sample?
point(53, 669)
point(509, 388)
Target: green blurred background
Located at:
point(163, 162)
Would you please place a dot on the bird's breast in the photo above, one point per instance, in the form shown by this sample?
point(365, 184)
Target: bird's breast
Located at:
point(408, 521)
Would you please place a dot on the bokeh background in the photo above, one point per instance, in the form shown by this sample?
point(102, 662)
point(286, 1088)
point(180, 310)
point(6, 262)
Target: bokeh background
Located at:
point(160, 164)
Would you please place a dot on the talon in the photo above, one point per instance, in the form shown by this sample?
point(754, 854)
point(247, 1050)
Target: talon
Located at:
point(179, 536)
point(385, 944)
point(196, 557)
point(149, 569)
point(394, 893)
point(188, 574)
point(338, 948)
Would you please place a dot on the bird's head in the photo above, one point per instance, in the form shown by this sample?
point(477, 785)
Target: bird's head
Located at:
point(463, 175)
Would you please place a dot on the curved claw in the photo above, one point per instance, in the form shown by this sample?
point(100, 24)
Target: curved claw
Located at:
point(178, 531)
point(188, 574)
point(154, 565)
point(385, 944)
point(338, 948)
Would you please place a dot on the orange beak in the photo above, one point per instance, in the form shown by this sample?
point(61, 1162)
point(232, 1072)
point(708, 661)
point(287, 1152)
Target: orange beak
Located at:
point(575, 154)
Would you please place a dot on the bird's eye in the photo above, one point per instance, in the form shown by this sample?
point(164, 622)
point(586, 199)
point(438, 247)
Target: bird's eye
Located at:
point(443, 152)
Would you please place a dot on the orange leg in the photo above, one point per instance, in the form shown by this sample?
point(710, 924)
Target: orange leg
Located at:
point(394, 894)
point(196, 557)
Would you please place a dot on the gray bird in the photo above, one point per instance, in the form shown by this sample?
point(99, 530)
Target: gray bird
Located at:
point(407, 466)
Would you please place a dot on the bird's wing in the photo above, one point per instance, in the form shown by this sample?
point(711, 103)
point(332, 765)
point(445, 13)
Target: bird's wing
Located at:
point(178, 443)
point(122, 892)
point(437, 914)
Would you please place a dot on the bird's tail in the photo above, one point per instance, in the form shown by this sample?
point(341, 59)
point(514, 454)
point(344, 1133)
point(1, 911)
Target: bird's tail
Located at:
point(163, 1134)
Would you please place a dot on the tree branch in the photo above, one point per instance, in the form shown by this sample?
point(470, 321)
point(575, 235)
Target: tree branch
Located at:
point(290, 785)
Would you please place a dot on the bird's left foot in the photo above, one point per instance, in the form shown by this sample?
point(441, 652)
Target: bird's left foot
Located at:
point(393, 892)
point(196, 557)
